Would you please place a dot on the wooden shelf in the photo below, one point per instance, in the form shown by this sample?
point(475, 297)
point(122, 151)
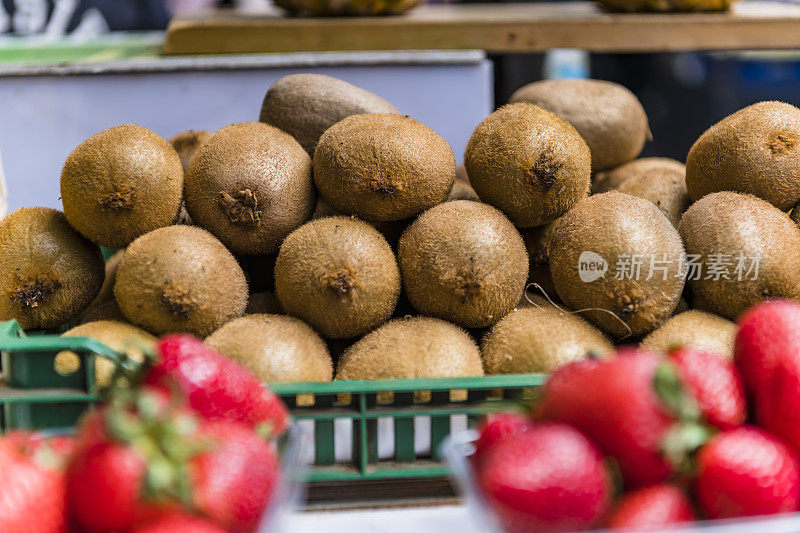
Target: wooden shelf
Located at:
point(496, 28)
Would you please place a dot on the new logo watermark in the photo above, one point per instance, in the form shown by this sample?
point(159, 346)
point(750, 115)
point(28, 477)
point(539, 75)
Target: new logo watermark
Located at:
point(592, 266)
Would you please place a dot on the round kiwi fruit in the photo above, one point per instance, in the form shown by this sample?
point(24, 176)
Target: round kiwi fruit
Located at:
point(664, 186)
point(49, 273)
point(746, 240)
point(263, 303)
point(694, 328)
point(464, 262)
point(611, 179)
point(120, 337)
point(461, 174)
point(537, 242)
point(383, 167)
point(305, 105)
point(539, 339)
point(607, 115)
point(391, 230)
point(618, 253)
point(339, 275)
point(186, 144)
point(121, 183)
point(462, 191)
point(180, 278)
point(250, 185)
point(755, 151)
point(276, 348)
point(416, 347)
point(528, 163)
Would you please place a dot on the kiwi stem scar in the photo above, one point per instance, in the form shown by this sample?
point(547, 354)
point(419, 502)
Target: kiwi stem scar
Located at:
point(34, 293)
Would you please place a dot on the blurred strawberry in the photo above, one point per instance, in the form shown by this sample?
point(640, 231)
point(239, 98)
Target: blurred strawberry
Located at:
point(652, 507)
point(633, 407)
point(496, 427)
point(549, 478)
point(714, 383)
point(747, 472)
point(180, 523)
point(33, 499)
point(217, 387)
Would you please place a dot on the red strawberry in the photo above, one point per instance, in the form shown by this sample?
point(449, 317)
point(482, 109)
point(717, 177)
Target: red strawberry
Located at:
point(651, 507)
point(32, 499)
point(180, 523)
point(747, 472)
point(549, 478)
point(217, 387)
point(714, 383)
point(495, 428)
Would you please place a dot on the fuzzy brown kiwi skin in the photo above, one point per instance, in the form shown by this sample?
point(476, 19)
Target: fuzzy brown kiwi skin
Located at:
point(339, 275)
point(715, 225)
point(383, 167)
point(539, 339)
point(607, 115)
point(250, 185)
point(186, 144)
point(462, 191)
point(180, 278)
point(415, 347)
point(695, 328)
point(611, 179)
point(665, 186)
point(528, 163)
point(305, 105)
point(753, 151)
point(464, 262)
point(276, 348)
point(121, 183)
point(612, 224)
point(49, 273)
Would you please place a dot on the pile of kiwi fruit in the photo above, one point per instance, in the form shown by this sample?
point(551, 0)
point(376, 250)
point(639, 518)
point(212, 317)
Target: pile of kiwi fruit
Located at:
point(336, 238)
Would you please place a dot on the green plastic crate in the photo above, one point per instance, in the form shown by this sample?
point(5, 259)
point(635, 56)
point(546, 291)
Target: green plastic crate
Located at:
point(34, 395)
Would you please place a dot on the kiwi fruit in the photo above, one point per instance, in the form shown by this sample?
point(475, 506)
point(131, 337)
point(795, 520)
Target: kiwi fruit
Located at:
point(383, 167)
point(305, 105)
point(263, 303)
point(107, 310)
point(754, 151)
point(121, 183)
point(339, 275)
point(611, 179)
point(415, 347)
point(180, 278)
point(461, 174)
point(539, 339)
point(698, 329)
point(665, 187)
point(528, 163)
point(391, 230)
point(537, 243)
point(593, 253)
point(607, 115)
point(120, 337)
point(186, 144)
point(464, 262)
point(753, 244)
point(462, 191)
point(49, 273)
point(275, 348)
point(250, 185)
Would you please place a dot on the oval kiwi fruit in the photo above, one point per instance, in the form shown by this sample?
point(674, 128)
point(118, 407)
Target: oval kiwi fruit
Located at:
point(383, 167)
point(528, 163)
point(611, 179)
point(250, 185)
point(699, 329)
point(607, 115)
point(594, 254)
point(464, 262)
point(755, 151)
point(180, 278)
point(415, 347)
point(539, 339)
point(49, 273)
point(462, 191)
point(276, 348)
point(118, 336)
point(121, 183)
point(305, 105)
point(186, 144)
point(664, 185)
point(753, 244)
point(339, 275)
